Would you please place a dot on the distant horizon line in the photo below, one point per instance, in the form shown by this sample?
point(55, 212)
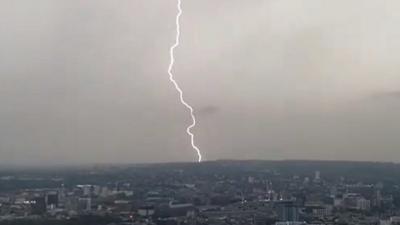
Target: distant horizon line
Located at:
point(105, 164)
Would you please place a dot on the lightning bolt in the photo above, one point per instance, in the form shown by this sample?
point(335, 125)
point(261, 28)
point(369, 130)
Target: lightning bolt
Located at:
point(173, 81)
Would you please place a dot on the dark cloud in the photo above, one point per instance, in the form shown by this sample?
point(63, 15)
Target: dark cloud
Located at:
point(389, 95)
point(208, 110)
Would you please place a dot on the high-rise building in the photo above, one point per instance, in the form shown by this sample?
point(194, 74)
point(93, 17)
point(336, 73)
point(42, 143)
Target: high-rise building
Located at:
point(317, 176)
point(38, 205)
point(52, 199)
point(288, 211)
point(85, 204)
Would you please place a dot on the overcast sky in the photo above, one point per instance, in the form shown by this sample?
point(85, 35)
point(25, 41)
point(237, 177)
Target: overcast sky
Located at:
point(86, 81)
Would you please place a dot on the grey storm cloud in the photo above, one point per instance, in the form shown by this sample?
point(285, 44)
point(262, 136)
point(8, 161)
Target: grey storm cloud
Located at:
point(388, 95)
point(208, 110)
point(86, 81)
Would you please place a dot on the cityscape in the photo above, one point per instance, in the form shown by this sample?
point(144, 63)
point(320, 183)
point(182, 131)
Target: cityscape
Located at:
point(199, 112)
point(210, 193)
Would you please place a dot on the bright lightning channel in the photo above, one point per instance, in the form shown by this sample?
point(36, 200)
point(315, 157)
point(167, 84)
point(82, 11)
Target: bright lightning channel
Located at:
point(172, 79)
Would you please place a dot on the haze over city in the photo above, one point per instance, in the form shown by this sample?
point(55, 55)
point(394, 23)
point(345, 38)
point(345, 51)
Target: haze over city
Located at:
point(87, 82)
